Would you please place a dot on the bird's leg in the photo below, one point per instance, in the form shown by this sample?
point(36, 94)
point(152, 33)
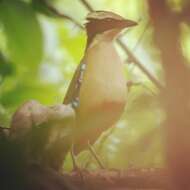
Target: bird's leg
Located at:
point(74, 161)
point(76, 168)
point(93, 152)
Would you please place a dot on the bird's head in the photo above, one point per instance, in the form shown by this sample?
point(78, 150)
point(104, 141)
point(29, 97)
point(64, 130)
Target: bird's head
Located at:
point(99, 22)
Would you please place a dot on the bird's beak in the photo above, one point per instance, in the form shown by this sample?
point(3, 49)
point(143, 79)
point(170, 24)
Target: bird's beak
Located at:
point(127, 23)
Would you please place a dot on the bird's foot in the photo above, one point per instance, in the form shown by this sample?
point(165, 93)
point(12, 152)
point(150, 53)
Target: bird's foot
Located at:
point(81, 173)
point(117, 171)
point(77, 170)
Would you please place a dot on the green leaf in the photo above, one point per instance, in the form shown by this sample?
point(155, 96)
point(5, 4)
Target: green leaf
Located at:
point(23, 32)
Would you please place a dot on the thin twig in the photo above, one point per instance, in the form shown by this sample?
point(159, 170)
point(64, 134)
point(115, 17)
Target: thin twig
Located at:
point(144, 178)
point(87, 5)
point(61, 15)
point(141, 36)
point(130, 54)
point(139, 64)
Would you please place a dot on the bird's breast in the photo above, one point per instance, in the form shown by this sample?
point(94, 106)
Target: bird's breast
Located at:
point(104, 79)
point(103, 90)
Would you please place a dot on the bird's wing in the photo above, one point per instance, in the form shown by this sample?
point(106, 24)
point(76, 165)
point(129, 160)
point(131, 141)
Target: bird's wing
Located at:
point(74, 87)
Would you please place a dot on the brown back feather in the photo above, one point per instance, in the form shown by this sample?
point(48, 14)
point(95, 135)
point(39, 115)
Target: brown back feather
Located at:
point(73, 92)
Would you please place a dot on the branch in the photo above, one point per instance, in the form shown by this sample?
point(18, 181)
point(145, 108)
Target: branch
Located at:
point(61, 15)
point(4, 132)
point(139, 64)
point(87, 5)
point(131, 179)
point(130, 54)
point(141, 36)
point(102, 179)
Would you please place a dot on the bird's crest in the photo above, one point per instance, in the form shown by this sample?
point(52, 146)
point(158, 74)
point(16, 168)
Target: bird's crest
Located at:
point(100, 15)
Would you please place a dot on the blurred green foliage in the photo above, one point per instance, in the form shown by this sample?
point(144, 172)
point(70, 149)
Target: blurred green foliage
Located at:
point(38, 55)
point(21, 29)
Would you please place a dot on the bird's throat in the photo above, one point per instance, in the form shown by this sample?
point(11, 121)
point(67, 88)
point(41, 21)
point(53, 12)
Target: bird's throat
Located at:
point(109, 35)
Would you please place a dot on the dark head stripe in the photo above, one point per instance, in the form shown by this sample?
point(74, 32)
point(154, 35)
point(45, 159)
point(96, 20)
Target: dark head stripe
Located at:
point(100, 15)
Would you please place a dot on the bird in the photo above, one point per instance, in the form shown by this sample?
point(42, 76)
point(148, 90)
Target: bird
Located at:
point(98, 90)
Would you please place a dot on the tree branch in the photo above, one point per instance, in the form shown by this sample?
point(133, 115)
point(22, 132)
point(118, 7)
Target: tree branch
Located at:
point(139, 64)
point(87, 5)
point(61, 15)
point(102, 179)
